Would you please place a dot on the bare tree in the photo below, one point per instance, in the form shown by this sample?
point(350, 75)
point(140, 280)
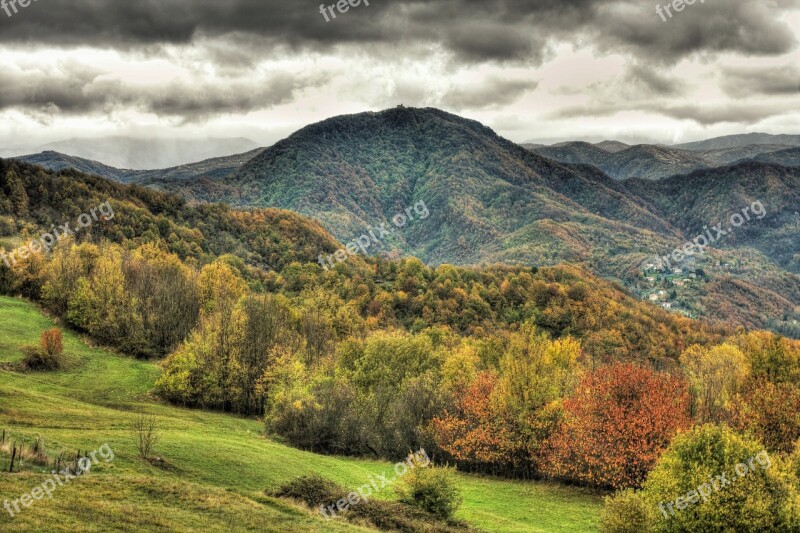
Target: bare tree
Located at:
point(145, 434)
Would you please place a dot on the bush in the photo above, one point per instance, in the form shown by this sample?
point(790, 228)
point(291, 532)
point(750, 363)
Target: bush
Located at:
point(51, 342)
point(626, 512)
point(431, 489)
point(760, 500)
point(318, 492)
point(314, 490)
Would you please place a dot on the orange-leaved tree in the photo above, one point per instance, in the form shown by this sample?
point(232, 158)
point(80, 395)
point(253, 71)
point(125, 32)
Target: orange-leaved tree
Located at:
point(474, 434)
point(616, 426)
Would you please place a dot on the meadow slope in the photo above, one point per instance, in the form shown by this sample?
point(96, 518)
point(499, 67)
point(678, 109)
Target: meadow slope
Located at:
point(219, 465)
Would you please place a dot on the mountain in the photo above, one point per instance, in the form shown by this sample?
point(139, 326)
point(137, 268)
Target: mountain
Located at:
point(213, 169)
point(612, 146)
point(467, 196)
point(738, 141)
point(265, 238)
point(489, 200)
point(726, 156)
point(56, 161)
point(788, 158)
point(644, 161)
point(139, 154)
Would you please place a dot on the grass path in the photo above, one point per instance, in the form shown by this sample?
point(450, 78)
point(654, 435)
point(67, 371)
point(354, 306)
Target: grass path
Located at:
point(220, 464)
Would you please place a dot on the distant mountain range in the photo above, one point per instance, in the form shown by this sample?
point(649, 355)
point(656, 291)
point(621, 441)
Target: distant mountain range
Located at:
point(215, 168)
point(655, 162)
point(491, 201)
point(139, 154)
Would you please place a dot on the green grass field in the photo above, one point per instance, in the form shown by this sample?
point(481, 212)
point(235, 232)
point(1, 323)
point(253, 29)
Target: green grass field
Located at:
point(219, 465)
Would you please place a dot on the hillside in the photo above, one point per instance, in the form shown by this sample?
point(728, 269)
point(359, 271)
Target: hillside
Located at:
point(489, 200)
point(266, 238)
point(218, 465)
point(789, 157)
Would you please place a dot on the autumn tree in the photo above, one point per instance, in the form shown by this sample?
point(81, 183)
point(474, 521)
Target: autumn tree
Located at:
point(715, 376)
point(616, 425)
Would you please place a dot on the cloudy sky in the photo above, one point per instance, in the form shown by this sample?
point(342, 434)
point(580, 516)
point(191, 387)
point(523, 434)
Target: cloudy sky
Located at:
point(531, 69)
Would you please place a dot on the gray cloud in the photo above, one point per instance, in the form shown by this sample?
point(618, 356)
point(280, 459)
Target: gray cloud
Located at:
point(706, 115)
point(72, 88)
point(474, 30)
point(761, 80)
point(487, 93)
point(233, 37)
point(654, 82)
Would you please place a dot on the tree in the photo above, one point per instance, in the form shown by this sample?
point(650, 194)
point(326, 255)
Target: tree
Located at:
point(770, 412)
point(616, 425)
point(715, 377)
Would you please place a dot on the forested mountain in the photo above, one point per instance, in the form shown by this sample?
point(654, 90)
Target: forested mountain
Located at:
point(215, 168)
point(644, 161)
point(734, 141)
point(278, 251)
point(789, 157)
point(490, 200)
point(654, 162)
point(146, 153)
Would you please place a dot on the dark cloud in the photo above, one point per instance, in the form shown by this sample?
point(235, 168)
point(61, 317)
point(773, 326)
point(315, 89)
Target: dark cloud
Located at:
point(74, 89)
point(474, 30)
point(653, 81)
point(705, 115)
point(488, 92)
point(761, 80)
point(231, 37)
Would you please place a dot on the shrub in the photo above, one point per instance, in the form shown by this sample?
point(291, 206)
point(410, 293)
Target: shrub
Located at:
point(51, 342)
point(314, 490)
point(626, 512)
point(320, 493)
point(431, 489)
point(760, 500)
point(145, 435)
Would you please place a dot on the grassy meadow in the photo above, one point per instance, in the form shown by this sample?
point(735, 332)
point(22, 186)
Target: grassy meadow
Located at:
point(218, 466)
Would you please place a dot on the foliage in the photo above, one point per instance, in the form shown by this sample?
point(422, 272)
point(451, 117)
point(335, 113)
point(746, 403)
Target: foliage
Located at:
point(761, 500)
point(432, 489)
point(626, 512)
point(715, 377)
point(771, 413)
point(51, 342)
point(616, 425)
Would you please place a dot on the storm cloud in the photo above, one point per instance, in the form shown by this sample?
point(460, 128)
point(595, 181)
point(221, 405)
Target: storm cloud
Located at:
point(190, 61)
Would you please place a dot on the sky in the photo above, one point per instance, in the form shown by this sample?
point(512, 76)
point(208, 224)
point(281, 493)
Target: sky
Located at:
point(533, 70)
